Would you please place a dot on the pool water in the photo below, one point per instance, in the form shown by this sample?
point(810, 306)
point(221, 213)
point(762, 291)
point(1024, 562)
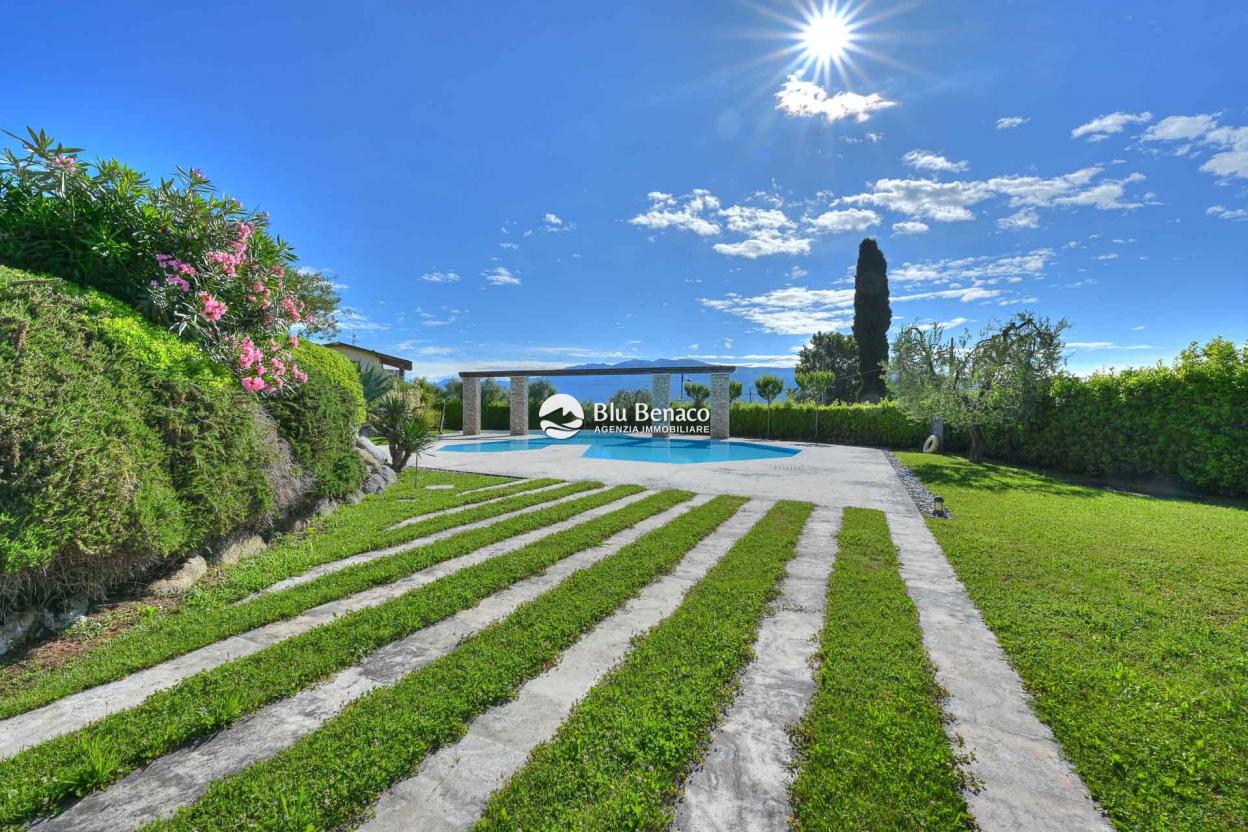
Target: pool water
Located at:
point(633, 448)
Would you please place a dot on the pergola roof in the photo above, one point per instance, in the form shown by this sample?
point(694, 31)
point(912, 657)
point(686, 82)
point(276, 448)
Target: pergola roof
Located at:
point(602, 371)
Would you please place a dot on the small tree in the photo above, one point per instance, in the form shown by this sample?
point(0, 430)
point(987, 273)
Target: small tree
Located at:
point(541, 389)
point(768, 388)
point(397, 417)
point(698, 392)
point(977, 384)
point(817, 386)
point(735, 389)
point(837, 353)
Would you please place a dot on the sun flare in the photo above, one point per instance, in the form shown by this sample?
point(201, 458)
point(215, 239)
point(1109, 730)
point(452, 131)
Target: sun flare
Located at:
point(826, 35)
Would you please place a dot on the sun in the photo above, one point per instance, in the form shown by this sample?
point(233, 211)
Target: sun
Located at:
point(826, 36)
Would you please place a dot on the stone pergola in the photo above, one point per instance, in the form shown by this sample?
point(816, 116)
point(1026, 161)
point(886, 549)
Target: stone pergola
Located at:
point(660, 392)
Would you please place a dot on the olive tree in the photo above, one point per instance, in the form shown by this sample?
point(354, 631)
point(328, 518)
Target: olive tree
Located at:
point(975, 383)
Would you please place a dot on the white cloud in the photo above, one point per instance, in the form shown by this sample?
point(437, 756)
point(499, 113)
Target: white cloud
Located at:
point(1010, 122)
point(908, 227)
point(793, 310)
point(440, 277)
point(754, 221)
point(1106, 345)
point(926, 160)
point(797, 272)
point(727, 343)
point(1224, 213)
point(1180, 128)
point(984, 269)
point(765, 245)
point(952, 323)
point(1101, 128)
point(952, 201)
point(940, 201)
point(1113, 255)
point(687, 213)
point(430, 319)
point(1023, 218)
point(805, 99)
point(849, 219)
point(1230, 158)
point(509, 246)
point(552, 219)
point(350, 320)
point(501, 276)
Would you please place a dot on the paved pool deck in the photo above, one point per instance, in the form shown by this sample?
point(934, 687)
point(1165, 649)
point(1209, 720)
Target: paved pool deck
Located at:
point(827, 475)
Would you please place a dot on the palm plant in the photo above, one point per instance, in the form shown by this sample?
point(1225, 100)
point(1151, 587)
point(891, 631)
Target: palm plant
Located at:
point(376, 381)
point(397, 417)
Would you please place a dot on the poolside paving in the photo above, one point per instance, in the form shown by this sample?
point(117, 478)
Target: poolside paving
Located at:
point(827, 475)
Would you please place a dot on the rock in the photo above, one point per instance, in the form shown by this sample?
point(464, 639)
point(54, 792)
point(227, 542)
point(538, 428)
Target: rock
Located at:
point(377, 452)
point(324, 506)
point(237, 549)
point(185, 578)
point(74, 609)
point(14, 629)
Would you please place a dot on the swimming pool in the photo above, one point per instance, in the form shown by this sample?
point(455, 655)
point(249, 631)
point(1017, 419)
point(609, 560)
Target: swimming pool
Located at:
point(633, 448)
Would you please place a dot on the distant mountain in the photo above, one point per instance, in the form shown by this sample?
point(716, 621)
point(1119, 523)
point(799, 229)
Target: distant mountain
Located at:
point(601, 388)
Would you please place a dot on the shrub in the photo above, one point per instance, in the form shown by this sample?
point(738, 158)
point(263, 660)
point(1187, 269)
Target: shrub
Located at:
point(1187, 421)
point(881, 424)
point(189, 258)
point(321, 417)
point(119, 444)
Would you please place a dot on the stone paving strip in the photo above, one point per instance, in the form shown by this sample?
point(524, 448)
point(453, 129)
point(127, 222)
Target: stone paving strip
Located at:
point(480, 488)
point(1024, 781)
point(80, 709)
point(180, 778)
point(453, 785)
point(366, 557)
point(742, 784)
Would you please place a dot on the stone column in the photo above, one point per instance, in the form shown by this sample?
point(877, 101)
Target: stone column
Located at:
point(472, 406)
point(660, 397)
point(721, 402)
point(519, 405)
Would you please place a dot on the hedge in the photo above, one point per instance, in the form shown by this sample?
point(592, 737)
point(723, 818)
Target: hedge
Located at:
point(1186, 422)
point(881, 424)
point(122, 446)
point(321, 417)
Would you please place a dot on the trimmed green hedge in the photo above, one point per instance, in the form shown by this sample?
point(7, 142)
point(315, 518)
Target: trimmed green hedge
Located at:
point(1188, 421)
point(119, 444)
point(320, 419)
point(881, 424)
point(122, 446)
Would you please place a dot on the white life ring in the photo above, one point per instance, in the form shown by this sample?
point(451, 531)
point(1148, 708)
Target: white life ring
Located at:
point(932, 445)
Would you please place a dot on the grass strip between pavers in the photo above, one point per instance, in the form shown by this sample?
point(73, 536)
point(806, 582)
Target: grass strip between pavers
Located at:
point(363, 533)
point(1127, 618)
point(872, 752)
point(39, 778)
point(341, 535)
point(191, 629)
point(619, 759)
point(287, 554)
point(332, 776)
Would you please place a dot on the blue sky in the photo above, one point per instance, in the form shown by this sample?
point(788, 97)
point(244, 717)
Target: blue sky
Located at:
point(553, 183)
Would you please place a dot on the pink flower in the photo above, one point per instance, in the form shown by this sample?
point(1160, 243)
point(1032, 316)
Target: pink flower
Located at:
point(249, 355)
point(180, 282)
point(66, 163)
point(291, 309)
point(211, 309)
point(300, 375)
point(253, 384)
point(294, 341)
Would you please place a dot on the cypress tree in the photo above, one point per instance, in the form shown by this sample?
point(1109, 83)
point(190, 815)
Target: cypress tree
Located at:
point(872, 317)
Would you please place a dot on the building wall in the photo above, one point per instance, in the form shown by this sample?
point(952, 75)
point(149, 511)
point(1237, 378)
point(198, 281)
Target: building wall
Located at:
point(362, 357)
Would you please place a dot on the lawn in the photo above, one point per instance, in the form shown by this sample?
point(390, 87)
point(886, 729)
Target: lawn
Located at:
point(1127, 618)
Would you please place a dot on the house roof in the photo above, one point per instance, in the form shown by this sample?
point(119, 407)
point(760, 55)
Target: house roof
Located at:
point(383, 358)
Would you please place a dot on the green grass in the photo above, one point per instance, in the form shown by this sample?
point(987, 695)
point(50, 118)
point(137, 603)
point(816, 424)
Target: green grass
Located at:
point(618, 761)
point(192, 628)
point(345, 533)
point(333, 775)
point(1127, 618)
point(39, 778)
point(872, 753)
